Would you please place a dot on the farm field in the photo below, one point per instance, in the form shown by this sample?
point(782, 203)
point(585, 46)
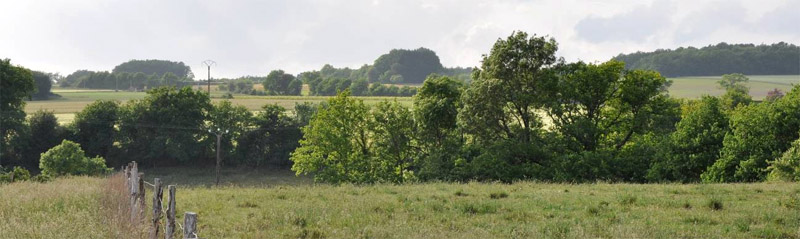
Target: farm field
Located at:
point(74, 100)
point(255, 206)
point(694, 87)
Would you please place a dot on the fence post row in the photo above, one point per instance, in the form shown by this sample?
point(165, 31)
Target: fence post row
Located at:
point(135, 184)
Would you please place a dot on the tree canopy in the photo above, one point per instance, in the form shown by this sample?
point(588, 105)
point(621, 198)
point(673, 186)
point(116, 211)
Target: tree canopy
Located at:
point(158, 67)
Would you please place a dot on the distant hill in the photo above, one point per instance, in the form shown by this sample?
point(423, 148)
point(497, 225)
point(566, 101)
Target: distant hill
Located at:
point(714, 60)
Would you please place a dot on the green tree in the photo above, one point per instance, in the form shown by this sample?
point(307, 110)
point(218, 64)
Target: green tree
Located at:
point(272, 140)
point(336, 145)
point(436, 112)
point(43, 85)
point(392, 137)
point(696, 143)
point(165, 128)
point(732, 81)
point(233, 119)
point(16, 83)
point(95, 127)
point(67, 158)
point(280, 83)
point(44, 134)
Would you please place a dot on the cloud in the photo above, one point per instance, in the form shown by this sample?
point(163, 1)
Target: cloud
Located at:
point(636, 25)
point(252, 37)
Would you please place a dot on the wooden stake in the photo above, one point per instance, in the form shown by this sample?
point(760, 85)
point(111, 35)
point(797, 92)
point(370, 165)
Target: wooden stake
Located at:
point(170, 231)
point(190, 225)
point(158, 193)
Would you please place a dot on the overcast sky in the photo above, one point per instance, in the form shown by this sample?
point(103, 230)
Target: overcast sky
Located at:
point(254, 37)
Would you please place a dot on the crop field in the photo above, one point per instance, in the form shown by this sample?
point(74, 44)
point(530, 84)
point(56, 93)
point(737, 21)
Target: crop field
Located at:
point(694, 87)
point(276, 204)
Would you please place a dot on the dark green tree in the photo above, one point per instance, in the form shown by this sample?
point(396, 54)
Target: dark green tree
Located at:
point(95, 127)
point(16, 84)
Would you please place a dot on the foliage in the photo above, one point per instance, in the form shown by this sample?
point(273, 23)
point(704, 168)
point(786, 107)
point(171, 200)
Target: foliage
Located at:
point(17, 174)
point(392, 132)
point(16, 84)
point(436, 112)
point(43, 85)
point(759, 133)
point(405, 66)
point(68, 158)
point(232, 120)
point(95, 127)
point(787, 167)
point(280, 83)
point(45, 133)
point(272, 140)
point(166, 127)
point(695, 144)
point(774, 94)
point(158, 67)
point(713, 60)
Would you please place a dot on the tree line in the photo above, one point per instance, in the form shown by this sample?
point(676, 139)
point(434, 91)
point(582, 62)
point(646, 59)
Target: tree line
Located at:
point(528, 115)
point(714, 60)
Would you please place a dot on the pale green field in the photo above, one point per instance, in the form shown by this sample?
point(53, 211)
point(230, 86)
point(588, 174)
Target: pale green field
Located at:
point(265, 206)
point(694, 87)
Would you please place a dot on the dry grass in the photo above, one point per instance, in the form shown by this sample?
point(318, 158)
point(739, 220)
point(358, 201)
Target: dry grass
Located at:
point(74, 207)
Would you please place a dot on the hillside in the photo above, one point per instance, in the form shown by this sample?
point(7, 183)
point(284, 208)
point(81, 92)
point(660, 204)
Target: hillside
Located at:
point(715, 60)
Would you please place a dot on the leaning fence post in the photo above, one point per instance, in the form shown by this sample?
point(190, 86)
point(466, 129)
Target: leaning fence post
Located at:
point(158, 193)
point(170, 231)
point(140, 198)
point(190, 225)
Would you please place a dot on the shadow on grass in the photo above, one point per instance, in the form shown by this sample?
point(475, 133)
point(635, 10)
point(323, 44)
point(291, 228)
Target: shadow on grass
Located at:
point(235, 177)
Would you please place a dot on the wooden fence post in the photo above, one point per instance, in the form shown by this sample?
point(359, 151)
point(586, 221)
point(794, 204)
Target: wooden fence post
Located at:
point(134, 190)
point(140, 199)
point(189, 225)
point(170, 231)
point(158, 193)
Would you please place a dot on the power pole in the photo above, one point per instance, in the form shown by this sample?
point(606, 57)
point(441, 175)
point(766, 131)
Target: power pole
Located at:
point(219, 134)
point(208, 64)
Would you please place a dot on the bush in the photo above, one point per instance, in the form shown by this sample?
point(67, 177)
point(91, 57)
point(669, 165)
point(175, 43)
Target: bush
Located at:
point(68, 158)
point(16, 175)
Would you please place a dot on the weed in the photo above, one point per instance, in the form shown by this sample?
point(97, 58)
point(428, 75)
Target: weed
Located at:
point(498, 195)
point(714, 204)
point(461, 193)
point(628, 200)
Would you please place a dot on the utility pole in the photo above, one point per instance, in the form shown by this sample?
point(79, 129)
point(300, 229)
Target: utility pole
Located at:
point(208, 64)
point(219, 134)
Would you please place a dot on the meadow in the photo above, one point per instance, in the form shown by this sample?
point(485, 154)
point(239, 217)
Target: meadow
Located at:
point(276, 204)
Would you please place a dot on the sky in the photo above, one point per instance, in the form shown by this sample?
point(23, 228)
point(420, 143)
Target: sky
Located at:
point(247, 37)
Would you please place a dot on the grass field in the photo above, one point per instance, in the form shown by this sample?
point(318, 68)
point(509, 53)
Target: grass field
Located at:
point(694, 87)
point(275, 204)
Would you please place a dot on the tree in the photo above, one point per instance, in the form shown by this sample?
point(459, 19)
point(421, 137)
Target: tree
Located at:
point(336, 145)
point(44, 134)
point(392, 136)
point(774, 94)
point(165, 128)
point(503, 99)
point(272, 140)
point(732, 81)
point(43, 85)
point(436, 112)
point(95, 127)
point(16, 83)
point(696, 143)
point(280, 83)
point(233, 120)
point(157, 67)
point(67, 158)
point(405, 66)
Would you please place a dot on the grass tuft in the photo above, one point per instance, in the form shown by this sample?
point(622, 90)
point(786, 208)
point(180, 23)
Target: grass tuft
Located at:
point(498, 195)
point(714, 204)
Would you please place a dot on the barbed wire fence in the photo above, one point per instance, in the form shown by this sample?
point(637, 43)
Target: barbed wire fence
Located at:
point(136, 186)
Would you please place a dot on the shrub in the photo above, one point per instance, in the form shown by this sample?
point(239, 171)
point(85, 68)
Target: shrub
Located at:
point(787, 167)
point(714, 204)
point(68, 158)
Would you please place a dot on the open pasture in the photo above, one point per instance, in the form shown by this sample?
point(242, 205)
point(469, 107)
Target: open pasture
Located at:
point(694, 87)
